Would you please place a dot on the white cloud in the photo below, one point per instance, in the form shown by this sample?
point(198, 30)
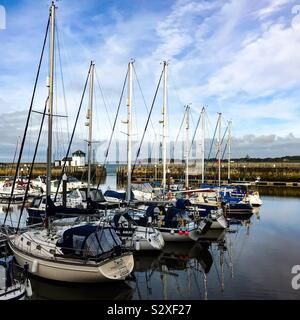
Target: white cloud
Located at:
point(221, 55)
point(265, 66)
point(273, 6)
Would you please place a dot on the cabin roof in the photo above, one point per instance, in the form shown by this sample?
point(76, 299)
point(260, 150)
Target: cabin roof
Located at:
point(78, 153)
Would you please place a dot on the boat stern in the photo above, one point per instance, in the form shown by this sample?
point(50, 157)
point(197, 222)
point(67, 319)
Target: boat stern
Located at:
point(118, 268)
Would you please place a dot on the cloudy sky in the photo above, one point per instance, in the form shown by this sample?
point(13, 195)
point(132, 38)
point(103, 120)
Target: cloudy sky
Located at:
point(237, 57)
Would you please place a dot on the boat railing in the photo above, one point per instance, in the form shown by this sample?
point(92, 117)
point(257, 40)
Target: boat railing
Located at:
point(14, 288)
point(57, 253)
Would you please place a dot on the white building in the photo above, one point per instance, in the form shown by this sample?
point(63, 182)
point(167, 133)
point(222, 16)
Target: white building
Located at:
point(66, 161)
point(78, 159)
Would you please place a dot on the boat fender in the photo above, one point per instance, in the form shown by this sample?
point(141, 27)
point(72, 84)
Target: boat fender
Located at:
point(34, 266)
point(28, 288)
point(172, 231)
point(149, 220)
point(137, 245)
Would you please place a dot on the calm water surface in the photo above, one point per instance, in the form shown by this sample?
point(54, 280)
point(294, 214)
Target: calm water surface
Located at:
point(253, 260)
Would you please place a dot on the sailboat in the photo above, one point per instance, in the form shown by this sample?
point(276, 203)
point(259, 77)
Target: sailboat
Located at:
point(134, 230)
point(84, 253)
point(10, 287)
point(5, 192)
point(195, 197)
point(143, 236)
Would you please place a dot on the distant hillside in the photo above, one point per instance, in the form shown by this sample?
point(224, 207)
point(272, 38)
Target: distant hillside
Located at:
point(277, 159)
point(246, 158)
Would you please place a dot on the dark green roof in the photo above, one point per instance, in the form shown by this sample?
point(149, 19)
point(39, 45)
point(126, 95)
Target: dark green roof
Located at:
point(78, 153)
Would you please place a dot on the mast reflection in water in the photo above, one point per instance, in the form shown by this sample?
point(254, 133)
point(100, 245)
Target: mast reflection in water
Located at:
point(251, 260)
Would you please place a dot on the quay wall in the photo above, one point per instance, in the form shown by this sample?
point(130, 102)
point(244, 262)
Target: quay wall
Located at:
point(8, 169)
point(273, 173)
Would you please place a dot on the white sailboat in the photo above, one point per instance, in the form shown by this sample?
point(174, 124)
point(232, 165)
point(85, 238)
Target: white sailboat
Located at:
point(11, 288)
point(143, 237)
point(82, 254)
point(6, 191)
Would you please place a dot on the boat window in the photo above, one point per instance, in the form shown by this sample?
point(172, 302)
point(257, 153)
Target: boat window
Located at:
point(36, 202)
point(83, 195)
point(92, 247)
point(115, 237)
point(106, 240)
point(55, 183)
point(38, 247)
point(2, 277)
point(44, 201)
point(77, 243)
point(96, 195)
point(74, 195)
point(28, 243)
point(72, 179)
point(184, 215)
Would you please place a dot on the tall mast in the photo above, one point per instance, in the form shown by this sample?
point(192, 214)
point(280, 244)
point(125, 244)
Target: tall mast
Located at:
point(229, 149)
point(90, 125)
point(129, 130)
point(219, 151)
point(164, 124)
point(202, 144)
point(187, 149)
point(50, 106)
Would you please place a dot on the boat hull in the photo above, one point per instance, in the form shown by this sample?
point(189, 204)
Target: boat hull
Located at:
point(173, 235)
point(149, 242)
point(141, 238)
point(216, 225)
point(114, 269)
point(143, 244)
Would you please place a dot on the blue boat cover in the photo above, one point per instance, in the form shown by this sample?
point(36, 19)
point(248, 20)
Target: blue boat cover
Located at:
point(150, 212)
point(117, 195)
point(88, 241)
point(117, 217)
point(182, 203)
point(171, 217)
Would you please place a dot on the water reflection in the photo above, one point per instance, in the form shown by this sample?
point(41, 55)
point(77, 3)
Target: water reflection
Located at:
point(256, 212)
point(50, 290)
point(250, 260)
point(13, 215)
point(181, 270)
point(191, 270)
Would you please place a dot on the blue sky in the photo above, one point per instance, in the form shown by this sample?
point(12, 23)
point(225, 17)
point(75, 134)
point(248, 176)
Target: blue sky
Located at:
point(237, 57)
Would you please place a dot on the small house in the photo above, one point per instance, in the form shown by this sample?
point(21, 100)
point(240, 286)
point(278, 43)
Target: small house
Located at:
point(66, 161)
point(78, 158)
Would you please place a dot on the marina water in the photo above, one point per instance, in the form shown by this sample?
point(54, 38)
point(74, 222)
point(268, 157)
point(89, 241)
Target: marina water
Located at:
point(251, 260)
